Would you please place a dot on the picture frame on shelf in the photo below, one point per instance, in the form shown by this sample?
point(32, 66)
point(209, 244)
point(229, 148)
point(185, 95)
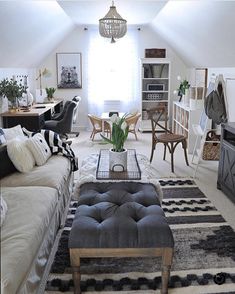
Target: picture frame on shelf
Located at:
point(69, 70)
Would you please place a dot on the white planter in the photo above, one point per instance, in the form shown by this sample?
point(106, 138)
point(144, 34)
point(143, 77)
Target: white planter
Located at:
point(118, 161)
point(186, 97)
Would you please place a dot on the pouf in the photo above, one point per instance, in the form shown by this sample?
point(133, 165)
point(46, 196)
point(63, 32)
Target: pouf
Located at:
point(119, 220)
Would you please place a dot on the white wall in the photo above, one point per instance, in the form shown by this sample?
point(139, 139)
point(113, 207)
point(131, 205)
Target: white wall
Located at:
point(10, 72)
point(77, 41)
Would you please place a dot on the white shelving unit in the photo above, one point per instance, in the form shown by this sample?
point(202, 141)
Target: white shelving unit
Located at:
point(183, 119)
point(155, 87)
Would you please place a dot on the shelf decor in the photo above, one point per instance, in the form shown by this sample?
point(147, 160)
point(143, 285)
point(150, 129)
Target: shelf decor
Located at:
point(155, 87)
point(69, 70)
point(155, 53)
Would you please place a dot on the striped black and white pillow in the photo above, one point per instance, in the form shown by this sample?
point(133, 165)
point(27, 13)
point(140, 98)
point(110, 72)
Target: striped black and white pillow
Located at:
point(57, 146)
point(2, 137)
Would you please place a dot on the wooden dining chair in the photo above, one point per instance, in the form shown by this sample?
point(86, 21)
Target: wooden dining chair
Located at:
point(97, 126)
point(161, 134)
point(131, 123)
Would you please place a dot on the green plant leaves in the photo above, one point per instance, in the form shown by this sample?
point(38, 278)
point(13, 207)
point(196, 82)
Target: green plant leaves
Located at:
point(11, 89)
point(50, 92)
point(119, 134)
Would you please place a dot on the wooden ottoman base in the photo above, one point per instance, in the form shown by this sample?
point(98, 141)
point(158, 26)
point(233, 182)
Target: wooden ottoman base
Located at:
point(77, 253)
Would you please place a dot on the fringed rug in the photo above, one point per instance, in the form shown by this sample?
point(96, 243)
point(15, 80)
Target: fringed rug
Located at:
point(204, 258)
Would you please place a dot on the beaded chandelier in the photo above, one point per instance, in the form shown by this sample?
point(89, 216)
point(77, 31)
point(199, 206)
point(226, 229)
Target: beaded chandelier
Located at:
point(112, 25)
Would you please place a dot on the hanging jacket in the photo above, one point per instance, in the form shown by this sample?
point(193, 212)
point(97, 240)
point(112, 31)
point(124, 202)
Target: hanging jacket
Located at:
point(214, 103)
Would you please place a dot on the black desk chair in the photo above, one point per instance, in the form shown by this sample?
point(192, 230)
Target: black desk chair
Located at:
point(59, 116)
point(76, 99)
point(64, 125)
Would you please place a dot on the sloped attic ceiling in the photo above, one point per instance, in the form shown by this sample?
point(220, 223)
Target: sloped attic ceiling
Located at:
point(30, 30)
point(201, 32)
point(88, 12)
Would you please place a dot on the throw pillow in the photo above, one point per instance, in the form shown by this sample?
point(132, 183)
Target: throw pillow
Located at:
point(12, 133)
point(3, 210)
point(20, 155)
point(39, 148)
point(57, 146)
point(2, 137)
point(27, 132)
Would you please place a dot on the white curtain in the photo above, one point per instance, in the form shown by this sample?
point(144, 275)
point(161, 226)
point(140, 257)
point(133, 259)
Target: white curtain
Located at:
point(113, 73)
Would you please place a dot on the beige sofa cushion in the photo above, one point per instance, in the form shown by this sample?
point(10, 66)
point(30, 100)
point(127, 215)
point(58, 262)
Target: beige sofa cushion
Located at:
point(52, 174)
point(30, 210)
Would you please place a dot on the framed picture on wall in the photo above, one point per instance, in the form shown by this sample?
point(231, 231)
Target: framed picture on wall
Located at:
point(69, 70)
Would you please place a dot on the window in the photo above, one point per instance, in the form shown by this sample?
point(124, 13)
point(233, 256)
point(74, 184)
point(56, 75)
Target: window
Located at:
point(113, 72)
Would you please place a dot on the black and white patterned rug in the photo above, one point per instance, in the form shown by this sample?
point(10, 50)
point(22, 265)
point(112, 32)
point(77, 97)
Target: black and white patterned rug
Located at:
point(204, 258)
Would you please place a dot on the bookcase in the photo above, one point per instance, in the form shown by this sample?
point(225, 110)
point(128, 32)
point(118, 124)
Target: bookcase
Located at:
point(183, 119)
point(155, 87)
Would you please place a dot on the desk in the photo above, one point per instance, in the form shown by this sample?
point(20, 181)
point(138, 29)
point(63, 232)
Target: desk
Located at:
point(34, 119)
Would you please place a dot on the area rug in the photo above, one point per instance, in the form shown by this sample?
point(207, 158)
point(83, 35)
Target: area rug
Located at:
point(204, 258)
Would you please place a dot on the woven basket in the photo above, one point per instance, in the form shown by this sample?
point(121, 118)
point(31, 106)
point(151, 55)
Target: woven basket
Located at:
point(211, 151)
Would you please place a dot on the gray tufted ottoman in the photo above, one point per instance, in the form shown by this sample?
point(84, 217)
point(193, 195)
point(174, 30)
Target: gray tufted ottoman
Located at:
point(121, 219)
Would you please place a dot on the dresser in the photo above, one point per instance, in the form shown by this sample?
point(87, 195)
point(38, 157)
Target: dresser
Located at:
point(226, 172)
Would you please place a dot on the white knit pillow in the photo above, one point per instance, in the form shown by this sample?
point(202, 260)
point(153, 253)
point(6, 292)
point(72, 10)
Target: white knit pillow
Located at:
point(39, 148)
point(20, 155)
point(3, 210)
point(12, 133)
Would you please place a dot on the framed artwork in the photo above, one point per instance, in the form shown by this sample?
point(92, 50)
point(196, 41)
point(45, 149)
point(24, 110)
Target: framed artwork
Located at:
point(69, 70)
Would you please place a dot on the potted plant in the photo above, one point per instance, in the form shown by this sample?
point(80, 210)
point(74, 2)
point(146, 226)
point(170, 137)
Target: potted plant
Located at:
point(12, 90)
point(183, 90)
point(117, 154)
point(50, 93)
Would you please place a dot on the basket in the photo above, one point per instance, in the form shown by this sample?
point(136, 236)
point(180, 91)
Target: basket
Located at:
point(211, 151)
point(155, 53)
point(154, 96)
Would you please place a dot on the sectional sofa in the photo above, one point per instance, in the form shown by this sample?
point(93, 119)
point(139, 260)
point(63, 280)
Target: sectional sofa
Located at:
point(37, 202)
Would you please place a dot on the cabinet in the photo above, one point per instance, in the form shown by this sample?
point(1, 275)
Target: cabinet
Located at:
point(155, 87)
point(183, 120)
point(226, 172)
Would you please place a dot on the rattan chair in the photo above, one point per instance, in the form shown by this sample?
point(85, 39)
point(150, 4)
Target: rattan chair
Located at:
point(161, 134)
point(97, 126)
point(131, 122)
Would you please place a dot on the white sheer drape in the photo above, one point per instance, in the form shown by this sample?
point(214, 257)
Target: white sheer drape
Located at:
point(113, 73)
